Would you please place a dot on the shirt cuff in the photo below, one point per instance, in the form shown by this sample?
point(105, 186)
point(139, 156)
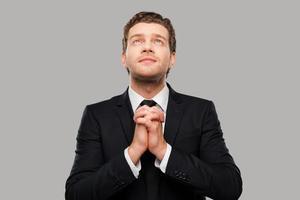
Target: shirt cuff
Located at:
point(134, 168)
point(162, 165)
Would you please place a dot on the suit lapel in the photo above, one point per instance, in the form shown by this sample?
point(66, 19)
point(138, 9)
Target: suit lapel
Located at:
point(174, 115)
point(125, 114)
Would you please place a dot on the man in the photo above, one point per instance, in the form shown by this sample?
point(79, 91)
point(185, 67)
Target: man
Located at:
point(151, 142)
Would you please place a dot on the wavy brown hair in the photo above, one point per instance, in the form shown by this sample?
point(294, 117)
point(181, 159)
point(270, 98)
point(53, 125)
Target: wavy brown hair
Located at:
point(150, 17)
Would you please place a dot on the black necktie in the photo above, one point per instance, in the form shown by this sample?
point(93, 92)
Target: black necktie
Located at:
point(149, 103)
point(149, 171)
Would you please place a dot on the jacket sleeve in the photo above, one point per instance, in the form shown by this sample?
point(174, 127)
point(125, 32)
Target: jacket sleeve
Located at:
point(91, 176)
point(213, 173)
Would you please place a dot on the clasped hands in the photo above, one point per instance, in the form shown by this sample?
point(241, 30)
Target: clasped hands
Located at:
point(148, 133)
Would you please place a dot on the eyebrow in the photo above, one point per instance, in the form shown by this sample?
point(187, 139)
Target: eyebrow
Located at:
point(160, 36)
point(156, 35)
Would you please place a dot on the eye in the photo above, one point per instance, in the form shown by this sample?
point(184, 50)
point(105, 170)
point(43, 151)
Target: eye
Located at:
point(158, 42)
point(137, 41)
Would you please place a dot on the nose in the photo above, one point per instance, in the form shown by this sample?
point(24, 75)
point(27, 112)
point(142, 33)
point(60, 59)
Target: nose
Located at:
point(147, 47)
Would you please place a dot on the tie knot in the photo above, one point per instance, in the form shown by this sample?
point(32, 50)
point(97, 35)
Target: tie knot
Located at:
point(149, 103)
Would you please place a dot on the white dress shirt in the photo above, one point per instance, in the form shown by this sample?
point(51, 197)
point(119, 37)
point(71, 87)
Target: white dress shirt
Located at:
point(161, 99)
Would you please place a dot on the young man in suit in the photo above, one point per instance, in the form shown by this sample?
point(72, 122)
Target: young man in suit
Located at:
point(151, 142)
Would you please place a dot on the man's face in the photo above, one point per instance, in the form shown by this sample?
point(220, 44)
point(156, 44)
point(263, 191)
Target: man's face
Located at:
point(148, 55)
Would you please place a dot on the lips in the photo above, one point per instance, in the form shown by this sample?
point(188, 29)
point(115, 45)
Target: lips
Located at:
point(147, 60)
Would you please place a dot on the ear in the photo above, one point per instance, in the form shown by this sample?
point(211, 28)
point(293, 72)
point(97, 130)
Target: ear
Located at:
point(123, 59)
point(172, 60)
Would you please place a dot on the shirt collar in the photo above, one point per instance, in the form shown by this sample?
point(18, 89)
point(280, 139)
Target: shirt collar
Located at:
point(160, 98)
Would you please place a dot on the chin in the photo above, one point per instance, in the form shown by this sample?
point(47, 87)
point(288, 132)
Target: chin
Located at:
point(147, 78)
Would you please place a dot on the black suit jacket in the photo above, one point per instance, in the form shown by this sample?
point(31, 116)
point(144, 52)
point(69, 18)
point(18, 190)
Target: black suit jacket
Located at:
point(199, 164)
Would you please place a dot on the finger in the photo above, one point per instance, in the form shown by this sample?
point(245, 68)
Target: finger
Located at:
point(145, 110)
point(155, 116)
point(155, 128)
point(149, 120)
point(143, 121)
point(158, 111)
point(141, 113)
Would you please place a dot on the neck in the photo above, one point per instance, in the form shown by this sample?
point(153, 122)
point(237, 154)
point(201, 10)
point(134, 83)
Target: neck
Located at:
point(147, 89)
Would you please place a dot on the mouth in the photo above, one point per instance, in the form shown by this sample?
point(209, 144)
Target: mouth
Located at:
point(147, 60)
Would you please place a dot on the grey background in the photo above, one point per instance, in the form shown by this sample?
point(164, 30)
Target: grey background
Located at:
point(58, 56)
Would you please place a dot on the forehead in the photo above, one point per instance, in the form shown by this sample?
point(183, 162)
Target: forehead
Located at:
point(148, 29)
